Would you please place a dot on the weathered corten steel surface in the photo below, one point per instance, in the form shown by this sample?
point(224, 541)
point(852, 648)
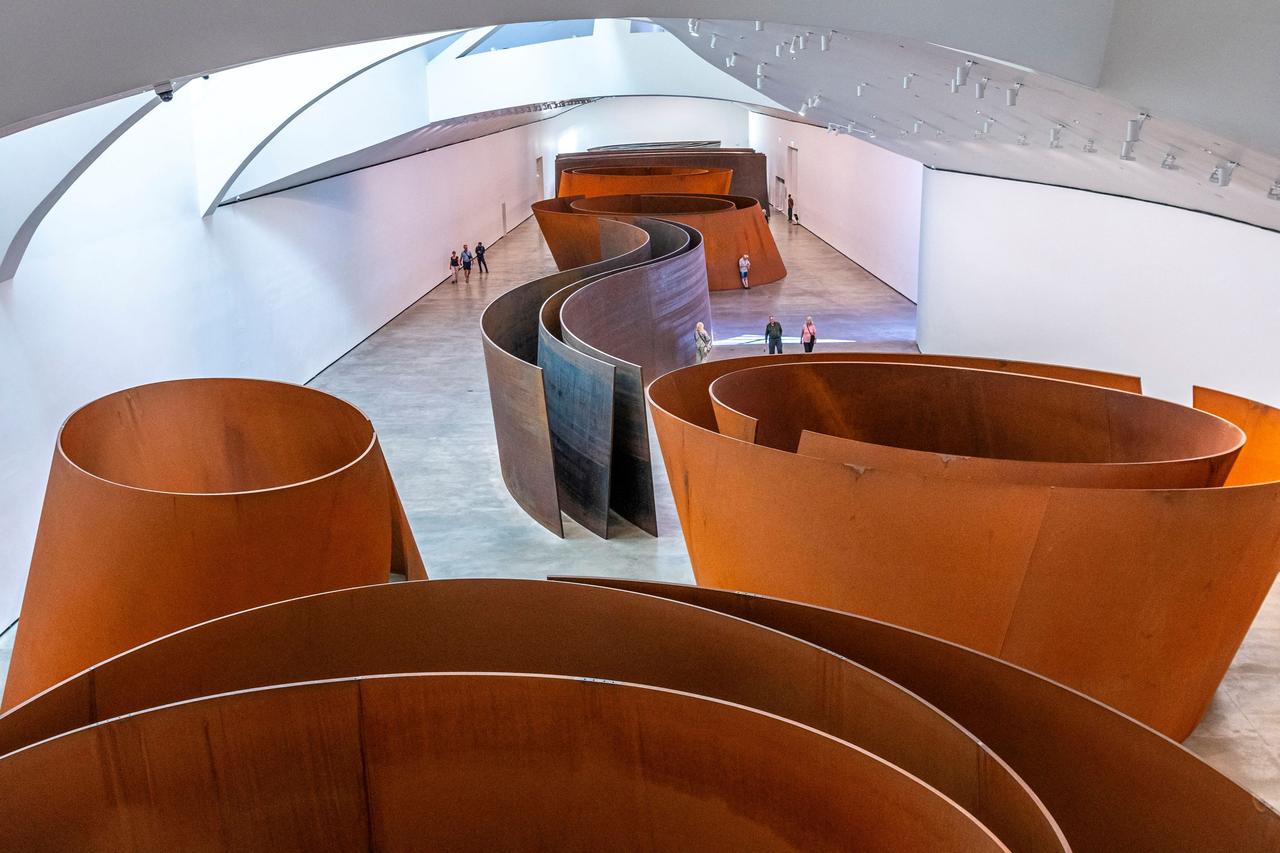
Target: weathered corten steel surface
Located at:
point(749, 167)
point(467, 762)
point(975, 425)
point(623, 180)
point(517, 393)
point(1111, 782)
point(177, 502)
point(561, 629)
point(730, 226)
point(1136, 596)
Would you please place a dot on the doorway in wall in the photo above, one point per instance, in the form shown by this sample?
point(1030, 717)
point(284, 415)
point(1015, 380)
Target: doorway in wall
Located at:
point(793, 176)
point(542, 186)
point(504, 217)
point(779, 193)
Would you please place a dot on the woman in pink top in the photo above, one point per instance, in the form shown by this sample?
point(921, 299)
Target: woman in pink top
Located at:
point(809, 334)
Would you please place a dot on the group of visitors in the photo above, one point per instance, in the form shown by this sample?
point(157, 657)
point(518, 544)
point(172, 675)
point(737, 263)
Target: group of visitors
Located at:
point(773, 335)
point(703, 342)
point(464, 261)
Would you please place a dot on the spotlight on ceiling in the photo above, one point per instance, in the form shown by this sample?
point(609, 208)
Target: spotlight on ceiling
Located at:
point(1133, 129)
point(815, 100)
point(1011, 95)
point(1274, 192)
point(824, 42)
point(1169, 162)
point(1089, 147)
point(731, 60)
point(1126, 150)
point(1055, 136)
point(906, 81)
point(792, 47)
point(777, 50)
point(694, 23)
point(980, 88)
point(915, 125)
point(1022, 139)
point(962, 72)
point(1221, 175)
point(800, 42)
point(759, 26)
point(713, 41)
point(986, 125)
point(857, 90)
point(759, 82)
point(804, 108)
point(759, 69)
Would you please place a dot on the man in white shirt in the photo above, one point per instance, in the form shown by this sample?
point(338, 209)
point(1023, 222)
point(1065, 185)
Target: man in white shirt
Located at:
point(744, 264)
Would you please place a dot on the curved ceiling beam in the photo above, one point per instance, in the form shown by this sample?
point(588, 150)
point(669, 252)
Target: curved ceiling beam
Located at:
point(20, 236)
point(58, 59)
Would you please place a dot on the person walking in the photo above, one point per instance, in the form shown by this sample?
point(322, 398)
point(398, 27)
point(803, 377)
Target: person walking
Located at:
point(791, 208)
point(744, 267)
point(454, 265)
point(773, 334)
point(466, 258)
point(809, 336)
point(702, 342)
point(481, 266)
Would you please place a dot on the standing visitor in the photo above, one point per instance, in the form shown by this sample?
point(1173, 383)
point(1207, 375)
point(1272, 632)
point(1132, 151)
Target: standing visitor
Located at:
point(454, 263)
point(467, 258)
point(791, 208)
point(481, 266)
point(702, 342)
point(809, 336)
point(744, 266)
point(773, 334)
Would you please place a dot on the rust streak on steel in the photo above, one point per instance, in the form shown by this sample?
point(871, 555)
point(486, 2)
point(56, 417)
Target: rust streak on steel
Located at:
point(176, 502)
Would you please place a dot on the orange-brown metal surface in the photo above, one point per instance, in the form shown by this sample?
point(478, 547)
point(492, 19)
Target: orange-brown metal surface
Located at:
point(535, 626)
point(730, 226)
point(467, 762)
point(1111, 782)
point(176, 502)
point(749, 168)
point(1136, 596)
point(624, 180)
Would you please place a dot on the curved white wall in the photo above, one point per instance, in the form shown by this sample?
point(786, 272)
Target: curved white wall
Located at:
point(125, 283)
point(1043, 273)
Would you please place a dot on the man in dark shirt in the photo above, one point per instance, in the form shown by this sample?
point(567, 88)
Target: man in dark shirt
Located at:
point(773, 334)
point(481, 266)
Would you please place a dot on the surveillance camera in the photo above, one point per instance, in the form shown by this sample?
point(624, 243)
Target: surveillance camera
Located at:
point(164, 90)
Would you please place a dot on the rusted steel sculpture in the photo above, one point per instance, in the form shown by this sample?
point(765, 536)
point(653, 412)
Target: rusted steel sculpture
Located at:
point(748, 167)
point(730, 226)
point(774, 724)
point(1110, 782)
point(1132, 579)
point(568, 397)
point(176, 502)
point(623, 180)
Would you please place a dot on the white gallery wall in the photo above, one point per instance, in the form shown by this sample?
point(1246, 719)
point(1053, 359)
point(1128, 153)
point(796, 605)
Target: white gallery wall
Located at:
point(125, 283)
point(858, 197)
point(1042, 273)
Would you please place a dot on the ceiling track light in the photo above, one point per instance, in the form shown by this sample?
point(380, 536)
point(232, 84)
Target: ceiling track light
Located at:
point(713, 41)
point(1089, 147)
point(858, 89)
point(777, 51)
point(759, 82)
point(1274, 192)
point(1055, 136)
point(1221, 174)
point(1011, 95)
point(1022, 139)
point(694, 23)
point(986, 125)
point(916, 124)
point(980, 88)
point(759, 25)
point(1170, 162)
point(1133, 130)
point(759, 69)
point(824, 42)
point(800, 42)
point(792, 48)
point(906, 81)
point(815, 100)
point(804, 108)
point(953, 86)
point(731, 60)
point(962, 72)
point(1126, 150)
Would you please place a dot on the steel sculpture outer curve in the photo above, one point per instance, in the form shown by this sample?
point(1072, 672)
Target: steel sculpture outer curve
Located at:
point(517, 392)
point(534, 626)
point(623, 180)
point(156, 490)
point(1111, 782)
point(1138, 597)
point(730, 225)
point(467, 762)
point(749, 167)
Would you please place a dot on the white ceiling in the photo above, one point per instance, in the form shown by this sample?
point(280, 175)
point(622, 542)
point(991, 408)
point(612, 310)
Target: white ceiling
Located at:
point(927, 122)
